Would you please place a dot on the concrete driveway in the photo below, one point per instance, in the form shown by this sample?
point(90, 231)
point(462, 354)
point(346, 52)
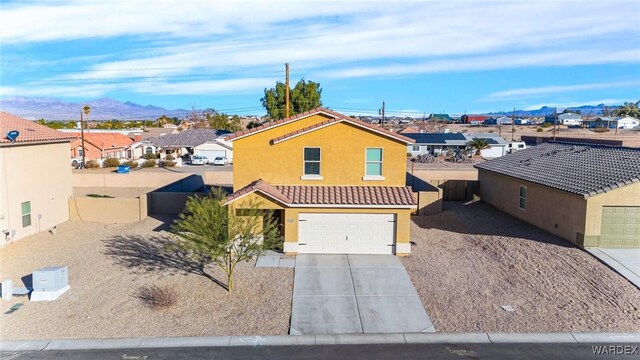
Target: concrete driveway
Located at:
point(346, 294)
point(625, 261)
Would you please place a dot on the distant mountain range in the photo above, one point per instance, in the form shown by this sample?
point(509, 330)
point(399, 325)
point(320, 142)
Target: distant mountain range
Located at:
point(101, 109)
point(592, 110)
point(107, 109)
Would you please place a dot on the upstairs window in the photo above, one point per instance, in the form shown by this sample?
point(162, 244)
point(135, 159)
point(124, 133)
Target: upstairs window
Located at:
point(523, 197)
point(374, 162)
point(312, 161)
point(26, 213)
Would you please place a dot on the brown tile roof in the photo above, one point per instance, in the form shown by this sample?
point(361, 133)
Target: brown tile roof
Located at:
point(296, 195)
point(336, 116)
point(105, 141)
point(30, 131)
point(335, 121)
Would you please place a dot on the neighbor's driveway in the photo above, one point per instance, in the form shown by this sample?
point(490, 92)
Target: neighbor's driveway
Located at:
point(342, 294)
point(625, 261)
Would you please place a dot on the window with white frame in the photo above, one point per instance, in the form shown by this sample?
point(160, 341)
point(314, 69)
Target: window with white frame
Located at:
point(26, 213)
point(148, 150)
point(374, 162)
point(415, 148)
point(312, 161)
point(523, 197)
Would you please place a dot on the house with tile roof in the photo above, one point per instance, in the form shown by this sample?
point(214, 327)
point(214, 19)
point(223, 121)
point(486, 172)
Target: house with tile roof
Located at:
point(101, 145)
point(35, 174)
point(335, 184)
point(209, 143)
point(588, 194)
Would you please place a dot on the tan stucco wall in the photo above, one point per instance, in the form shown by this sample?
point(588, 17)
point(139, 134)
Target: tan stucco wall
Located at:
point(218, 177)
point(625, 196)
point(169, 202)
point(342, 155)
point(87, 178)
point(555, 211)
point(108, 210)
point(429, 202)
point(444, 175)
point(40, 174)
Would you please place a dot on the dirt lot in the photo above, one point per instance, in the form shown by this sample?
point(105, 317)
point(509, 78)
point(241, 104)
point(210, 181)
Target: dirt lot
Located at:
point(107, 266)
point(470, 260)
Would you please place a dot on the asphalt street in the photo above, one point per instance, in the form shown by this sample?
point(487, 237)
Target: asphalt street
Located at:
point(354, 352)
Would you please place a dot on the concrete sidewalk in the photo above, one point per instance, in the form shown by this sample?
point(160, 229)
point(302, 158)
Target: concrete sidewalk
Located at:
point(287, 340)
point(624, 261)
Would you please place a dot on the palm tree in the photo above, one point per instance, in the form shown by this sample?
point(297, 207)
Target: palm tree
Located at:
point(85, 110)
point(478, 144)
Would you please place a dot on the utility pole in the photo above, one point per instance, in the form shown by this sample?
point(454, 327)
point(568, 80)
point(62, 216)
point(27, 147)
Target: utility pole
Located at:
point(82, 166)
point(513, 123)
point(555, 122)
point(286, 110)
point(382, 113)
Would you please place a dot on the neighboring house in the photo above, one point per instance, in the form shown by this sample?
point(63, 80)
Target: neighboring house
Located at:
point(139, 148)
point(205, 142)
point(36, 178)
point(587, 194)
point(568, 119)
point(449, 143)
point(520, 121)
point(336, 184)
point(626, 122)
point(440, 118)
point(502, 120)
point(157, 132)
point(474, 119)
point(100, 145)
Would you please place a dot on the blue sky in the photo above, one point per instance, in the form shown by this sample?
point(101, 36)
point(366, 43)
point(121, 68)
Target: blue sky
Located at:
point(426, 56)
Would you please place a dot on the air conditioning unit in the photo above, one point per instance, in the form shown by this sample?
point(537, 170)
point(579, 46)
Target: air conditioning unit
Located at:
point(49, 283)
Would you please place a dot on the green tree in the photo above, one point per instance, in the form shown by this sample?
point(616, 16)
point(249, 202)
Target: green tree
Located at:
point(71, 124)
point(305, 96)
point(209, 233)
point(223, 121)
point(629, 109)
point(253, 124)
point(477, 145)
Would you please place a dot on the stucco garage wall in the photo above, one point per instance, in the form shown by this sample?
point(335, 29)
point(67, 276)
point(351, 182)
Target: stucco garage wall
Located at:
point(555, 211)
point(625, 196)
point(40, 174)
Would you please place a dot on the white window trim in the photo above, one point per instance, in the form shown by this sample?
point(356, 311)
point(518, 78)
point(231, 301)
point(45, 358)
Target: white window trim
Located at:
point(520, 197)
point(373, 177)
point(23, 215)
point(306, 176)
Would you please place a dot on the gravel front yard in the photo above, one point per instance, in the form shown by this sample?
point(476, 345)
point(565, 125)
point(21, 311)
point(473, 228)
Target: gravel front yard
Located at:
point(471, 259)
point(107, 266)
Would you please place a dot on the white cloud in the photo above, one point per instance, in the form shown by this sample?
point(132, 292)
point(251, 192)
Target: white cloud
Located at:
point(556, 89)
point(230, 42)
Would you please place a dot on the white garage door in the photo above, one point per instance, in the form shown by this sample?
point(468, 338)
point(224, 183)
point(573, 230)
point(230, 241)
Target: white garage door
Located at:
point(212, 154)
point(346, 233)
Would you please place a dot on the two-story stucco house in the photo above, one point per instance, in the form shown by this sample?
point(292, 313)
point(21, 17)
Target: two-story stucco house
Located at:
point(337, 184)
point(35, 178)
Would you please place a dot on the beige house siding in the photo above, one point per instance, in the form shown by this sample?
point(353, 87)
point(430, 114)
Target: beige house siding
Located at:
point(555, 211)
point(626, 196)
point(40, 174)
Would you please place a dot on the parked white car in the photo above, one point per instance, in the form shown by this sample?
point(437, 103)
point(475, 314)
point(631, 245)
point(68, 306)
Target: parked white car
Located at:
point(220, 160)
point(199, 160)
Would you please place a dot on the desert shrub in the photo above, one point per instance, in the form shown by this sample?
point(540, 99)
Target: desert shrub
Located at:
point(464, 130)
point(149, 163)
point(110, 162)
point(149, 156)
point(169, 163)
point(169, 157)
point(601, 130)
point(409, 155)
point(547, 124)
point(490, 131)
point(131, 163)
point(539, 130)
point(92, 164)
point(157, 297)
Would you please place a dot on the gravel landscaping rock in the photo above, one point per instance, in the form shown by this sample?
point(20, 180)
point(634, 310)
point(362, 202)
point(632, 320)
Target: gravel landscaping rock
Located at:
point(107, 266)
point(472, 259)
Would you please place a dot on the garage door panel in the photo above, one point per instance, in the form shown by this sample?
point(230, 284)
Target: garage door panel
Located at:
point(347, 233)
point(620, 226)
